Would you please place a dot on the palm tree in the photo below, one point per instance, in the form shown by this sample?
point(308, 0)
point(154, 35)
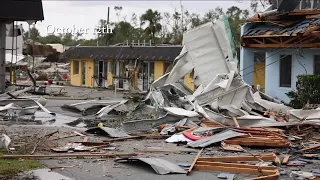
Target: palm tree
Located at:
point(153, 18)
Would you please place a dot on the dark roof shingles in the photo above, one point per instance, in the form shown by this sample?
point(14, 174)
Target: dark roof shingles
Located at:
point(147, 53)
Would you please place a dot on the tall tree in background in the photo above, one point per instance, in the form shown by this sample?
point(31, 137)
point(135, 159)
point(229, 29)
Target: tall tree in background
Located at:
point(159, 27)
point(34, 34)
point(256, 3)
point(153, 18)
point(236, 18)
point(118, 10)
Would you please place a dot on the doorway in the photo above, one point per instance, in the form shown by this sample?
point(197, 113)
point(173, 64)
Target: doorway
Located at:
point(83, 72)
point(101, 73)
point(148, 74)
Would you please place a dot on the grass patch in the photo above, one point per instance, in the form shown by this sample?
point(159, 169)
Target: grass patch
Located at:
point(12, 167)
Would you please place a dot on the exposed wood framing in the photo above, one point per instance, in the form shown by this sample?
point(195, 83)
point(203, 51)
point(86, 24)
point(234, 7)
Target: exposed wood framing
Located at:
point(284, 41)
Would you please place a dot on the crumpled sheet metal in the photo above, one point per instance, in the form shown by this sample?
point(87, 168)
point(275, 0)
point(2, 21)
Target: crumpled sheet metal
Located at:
point(313, 114)
point(115, 133)
point(105, 110)
point(227, 134)
point(206, 49)
point(235, 94)
point(160, 166)
point(272, 105)
point(148, 124)
point(172, 127)
point(88, 107)
point(244, 121)
point(180, 112)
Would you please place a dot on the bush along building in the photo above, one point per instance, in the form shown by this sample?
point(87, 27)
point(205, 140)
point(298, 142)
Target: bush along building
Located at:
point(122, 66)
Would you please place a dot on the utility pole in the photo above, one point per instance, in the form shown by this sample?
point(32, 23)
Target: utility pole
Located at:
point(34, 26)
point(107, 40)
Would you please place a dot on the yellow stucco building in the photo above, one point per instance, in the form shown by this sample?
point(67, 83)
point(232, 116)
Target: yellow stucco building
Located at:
point(104, 66)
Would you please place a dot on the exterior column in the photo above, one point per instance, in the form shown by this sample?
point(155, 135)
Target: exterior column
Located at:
point(247, 65)
point(2, 56)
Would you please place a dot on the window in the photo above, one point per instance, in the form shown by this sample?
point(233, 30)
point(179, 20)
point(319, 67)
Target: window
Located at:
point(166, 67)
point(76, 67)
point(259, 57)
point(316, 64)
point(285, 70)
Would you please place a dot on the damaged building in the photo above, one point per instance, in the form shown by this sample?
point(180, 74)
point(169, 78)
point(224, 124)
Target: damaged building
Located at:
point(123, 65)
point(280, 44)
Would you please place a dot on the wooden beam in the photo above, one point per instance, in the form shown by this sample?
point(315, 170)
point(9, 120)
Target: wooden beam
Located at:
point(236, 122)
point(310, 30)
point(290, 40)
point(285, 159)
point(264, 157)
point(194, 162)
point(309, 40)
point(272, 40)
point(256, 40)
point(313, 16)
point(313, 45)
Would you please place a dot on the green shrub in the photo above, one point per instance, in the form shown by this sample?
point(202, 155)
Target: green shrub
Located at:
point(308, 89)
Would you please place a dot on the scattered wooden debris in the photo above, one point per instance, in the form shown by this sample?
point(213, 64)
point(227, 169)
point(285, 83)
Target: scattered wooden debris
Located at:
point(286, 159)
point(64, 156)
point(194, 162)
point(230, 164)
point(311, 148)
point(231, 147)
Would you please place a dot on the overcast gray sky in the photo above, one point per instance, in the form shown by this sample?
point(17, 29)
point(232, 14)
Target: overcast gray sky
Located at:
point(86, 14)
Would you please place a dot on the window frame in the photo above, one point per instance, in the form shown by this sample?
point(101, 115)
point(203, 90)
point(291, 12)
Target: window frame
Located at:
point(314, 64)
point(76, 65)
point(282, 58)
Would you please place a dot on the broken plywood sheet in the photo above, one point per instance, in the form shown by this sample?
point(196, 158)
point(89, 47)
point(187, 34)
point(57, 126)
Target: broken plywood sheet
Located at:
point(160, 166)
point(115, 133)
point(227, 134)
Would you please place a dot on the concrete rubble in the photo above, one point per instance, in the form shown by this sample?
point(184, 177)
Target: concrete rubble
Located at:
point(222, 111)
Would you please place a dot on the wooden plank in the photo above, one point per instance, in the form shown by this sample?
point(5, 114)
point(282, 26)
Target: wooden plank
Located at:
point(272, 40)
point(257, 157)
point(310, 148)
point(63, 156)
point(244, 169)
point(310, 30)
point(161, 150)
point(313, 45)
point(236, 122)
point(235, 165)
point(194, 162)
point(285, 159)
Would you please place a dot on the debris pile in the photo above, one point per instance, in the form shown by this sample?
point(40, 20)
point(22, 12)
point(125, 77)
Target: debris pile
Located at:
point(222, 111)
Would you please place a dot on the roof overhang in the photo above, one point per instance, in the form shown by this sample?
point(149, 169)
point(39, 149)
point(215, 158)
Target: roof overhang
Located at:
point(21, 10)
